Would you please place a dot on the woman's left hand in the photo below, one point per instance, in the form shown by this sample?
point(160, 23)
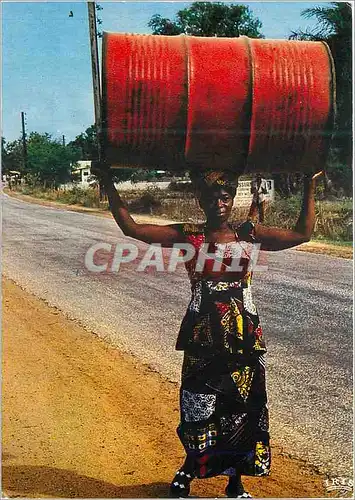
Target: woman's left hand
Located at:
point(310, 179)
point(316, 175)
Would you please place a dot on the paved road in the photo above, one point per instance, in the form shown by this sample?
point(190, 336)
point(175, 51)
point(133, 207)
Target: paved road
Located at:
point(305, 302)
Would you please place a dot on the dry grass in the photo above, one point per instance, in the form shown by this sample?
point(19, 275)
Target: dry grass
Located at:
point(76, 196)
point(333, 218)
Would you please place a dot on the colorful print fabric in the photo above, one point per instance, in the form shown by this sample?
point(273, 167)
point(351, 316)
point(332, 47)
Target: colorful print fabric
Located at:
point(221, 315)
point(224, 415)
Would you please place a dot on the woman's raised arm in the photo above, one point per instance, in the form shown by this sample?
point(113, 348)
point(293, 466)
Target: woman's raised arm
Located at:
point(150, 233)
point(272, 238)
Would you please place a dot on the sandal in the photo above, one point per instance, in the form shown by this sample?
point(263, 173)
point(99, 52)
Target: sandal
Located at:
point(180, 485)
point(232, 494)
point(235, 489)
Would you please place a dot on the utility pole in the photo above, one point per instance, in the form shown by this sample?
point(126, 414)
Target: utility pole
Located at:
point(24, 143)
point(96, 82)
point(63, 138)
point(95, 72)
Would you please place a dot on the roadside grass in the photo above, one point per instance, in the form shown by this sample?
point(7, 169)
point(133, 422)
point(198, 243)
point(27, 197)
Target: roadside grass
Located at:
point(76, 196)
point(333, 218)
point(335, 242)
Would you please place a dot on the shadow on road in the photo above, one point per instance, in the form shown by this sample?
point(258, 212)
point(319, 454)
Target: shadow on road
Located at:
point(30, 481)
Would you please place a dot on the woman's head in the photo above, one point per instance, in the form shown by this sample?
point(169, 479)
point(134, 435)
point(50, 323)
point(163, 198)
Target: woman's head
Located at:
point(215, 190)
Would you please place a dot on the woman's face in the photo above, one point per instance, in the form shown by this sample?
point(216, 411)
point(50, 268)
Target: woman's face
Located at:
point(217, 204)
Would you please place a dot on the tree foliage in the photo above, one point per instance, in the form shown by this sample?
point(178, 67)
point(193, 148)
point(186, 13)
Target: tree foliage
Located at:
point(48, 161)
point(11, 156)
point(86, 143)
point(334, 26)
point(209, 19)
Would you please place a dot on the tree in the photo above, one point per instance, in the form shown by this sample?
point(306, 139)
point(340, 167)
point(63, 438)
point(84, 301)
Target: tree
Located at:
point(86, 142)
point(209, 19)
point(334, 26)
point(48, 161)
point(12, 156)
point(3, 152)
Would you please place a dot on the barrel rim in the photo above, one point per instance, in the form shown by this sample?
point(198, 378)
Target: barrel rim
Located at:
point(330, 126)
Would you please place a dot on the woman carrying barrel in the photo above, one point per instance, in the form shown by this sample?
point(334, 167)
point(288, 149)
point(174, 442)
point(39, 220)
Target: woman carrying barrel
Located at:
point(223, 402)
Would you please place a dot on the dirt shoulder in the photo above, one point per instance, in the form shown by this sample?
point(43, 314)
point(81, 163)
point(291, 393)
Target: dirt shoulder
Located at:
point(82, 420)
point(345, 252)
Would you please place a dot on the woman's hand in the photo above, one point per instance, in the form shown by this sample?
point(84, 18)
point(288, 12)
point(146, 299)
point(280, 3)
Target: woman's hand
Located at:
point(311, 178)
point(318, 174)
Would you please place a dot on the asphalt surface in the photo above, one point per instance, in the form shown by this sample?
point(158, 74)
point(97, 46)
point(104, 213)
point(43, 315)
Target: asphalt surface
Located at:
point(304, 300)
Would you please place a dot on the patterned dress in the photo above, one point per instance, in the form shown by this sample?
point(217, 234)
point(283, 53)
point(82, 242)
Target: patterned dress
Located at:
point(223, 403)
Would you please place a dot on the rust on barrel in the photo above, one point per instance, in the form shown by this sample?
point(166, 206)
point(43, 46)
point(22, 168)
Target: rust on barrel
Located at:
point(240, 103)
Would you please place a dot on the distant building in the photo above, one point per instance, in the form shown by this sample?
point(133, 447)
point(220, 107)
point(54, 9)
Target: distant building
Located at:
point(83, 171)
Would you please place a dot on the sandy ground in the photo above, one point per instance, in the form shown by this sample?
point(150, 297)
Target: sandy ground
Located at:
point(345, 252)
point(82, 420)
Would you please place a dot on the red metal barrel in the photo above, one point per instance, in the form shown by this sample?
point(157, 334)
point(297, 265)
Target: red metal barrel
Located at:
point(218, 107)
point(144, 99)
point(239, 103)
point(293, 102)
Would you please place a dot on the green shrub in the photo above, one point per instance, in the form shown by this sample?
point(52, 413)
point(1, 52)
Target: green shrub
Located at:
point(283, 212)
point(333, 218)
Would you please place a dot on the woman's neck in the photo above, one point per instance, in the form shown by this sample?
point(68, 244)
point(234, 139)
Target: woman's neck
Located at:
point(217, 226)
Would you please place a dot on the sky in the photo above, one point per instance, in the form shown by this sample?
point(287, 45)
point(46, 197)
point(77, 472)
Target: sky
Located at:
point(46, 64)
